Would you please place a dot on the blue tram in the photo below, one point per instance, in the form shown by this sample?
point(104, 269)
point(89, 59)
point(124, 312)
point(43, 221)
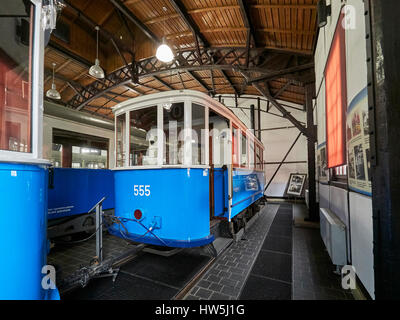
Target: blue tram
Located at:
point(72, 193)
point(24, 273)
point(182, 160)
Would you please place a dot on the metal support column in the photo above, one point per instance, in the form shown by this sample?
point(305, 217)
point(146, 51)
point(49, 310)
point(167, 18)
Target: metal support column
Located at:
point(252, 118)
point(384, 105)
point(312, 197)
point(259, 117)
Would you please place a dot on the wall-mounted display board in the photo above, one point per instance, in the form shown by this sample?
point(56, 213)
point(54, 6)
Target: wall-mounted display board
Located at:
point(296, 184)
point(322, 166)
point(358, 150)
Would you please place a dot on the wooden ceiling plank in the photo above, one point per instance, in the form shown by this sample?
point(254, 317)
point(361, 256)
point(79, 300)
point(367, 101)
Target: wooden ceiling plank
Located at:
point(128, 13)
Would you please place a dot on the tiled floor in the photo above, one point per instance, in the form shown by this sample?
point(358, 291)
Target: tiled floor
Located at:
point(226, 278)
point(273, 261)
point(313, 277)
point(271, 275)
point(67, 258)
point(277, 261)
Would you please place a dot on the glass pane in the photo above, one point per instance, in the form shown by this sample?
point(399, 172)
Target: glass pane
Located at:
point(143, 146)
point(235, 146)
point(173, 119)
point(56, 155)
point(243, 161)
point(121, 152)
point(198, 134)
point(219, 145)
point(258, 158)
point(89, 157)
point(251, 153)
point(15, 75)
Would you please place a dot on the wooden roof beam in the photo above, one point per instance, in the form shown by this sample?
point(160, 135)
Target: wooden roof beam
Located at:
point(230, 82)
point(93, 24)
point(163, 83)
point(128, 13)
point(180, 8)
point(197, 80)
point(245, 12)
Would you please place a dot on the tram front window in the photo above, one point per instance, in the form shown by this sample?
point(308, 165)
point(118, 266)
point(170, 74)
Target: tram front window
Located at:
point(198, 134)
point(15, 76)
point(121, 152)
point(143, 145)
point(173, 117)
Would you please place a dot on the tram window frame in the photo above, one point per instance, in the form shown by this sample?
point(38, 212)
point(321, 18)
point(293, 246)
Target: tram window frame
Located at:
point(235, 146)
point(119, 163)
point(242, 155)
point(201, 142)
point(181, 126)
point(25, 145)
point(131, 162)
point(251, 153)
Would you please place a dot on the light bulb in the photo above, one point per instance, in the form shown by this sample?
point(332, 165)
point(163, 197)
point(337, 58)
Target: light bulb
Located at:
point(164, 53)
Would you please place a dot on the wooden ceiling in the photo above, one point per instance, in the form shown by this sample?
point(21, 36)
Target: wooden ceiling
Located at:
point(215, 42)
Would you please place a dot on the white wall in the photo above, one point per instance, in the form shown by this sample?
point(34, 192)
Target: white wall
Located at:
point(50, 122)
point(276, 142)
point(358, 207)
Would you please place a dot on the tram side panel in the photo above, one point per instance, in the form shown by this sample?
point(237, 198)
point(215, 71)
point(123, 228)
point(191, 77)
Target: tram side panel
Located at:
point(172, 206)
point(75, 191)
point(23, 242)
point(248, 187)
point(221, 189)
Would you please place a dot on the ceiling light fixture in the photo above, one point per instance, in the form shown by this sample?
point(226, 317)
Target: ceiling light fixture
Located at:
point(53, 93)
point(164, 52)
point(95, 70)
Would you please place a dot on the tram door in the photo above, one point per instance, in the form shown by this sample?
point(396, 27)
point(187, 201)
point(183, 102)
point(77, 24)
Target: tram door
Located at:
point(211, 175)
point(219, 158)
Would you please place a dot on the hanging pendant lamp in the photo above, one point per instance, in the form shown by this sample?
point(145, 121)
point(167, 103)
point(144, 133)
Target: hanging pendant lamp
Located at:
point(53, 93)
point(164, 52)
point(95, 70)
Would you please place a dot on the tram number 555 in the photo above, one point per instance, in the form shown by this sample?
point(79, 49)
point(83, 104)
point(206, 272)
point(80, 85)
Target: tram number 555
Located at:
point(141, 190)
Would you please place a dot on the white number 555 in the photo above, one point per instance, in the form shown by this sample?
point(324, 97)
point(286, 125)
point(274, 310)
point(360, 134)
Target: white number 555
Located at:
point(141, 190)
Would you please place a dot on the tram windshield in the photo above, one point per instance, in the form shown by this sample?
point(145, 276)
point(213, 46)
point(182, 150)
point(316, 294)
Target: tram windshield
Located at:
point(173, 125)
point(15, 76)
point(143, 145)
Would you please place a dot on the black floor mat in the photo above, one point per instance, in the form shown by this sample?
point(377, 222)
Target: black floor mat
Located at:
point(147, 277)
point(271, 275)
point(280, 231)
point(258, 288)
point(278, 244)
point(273, 265)
point(174, 271)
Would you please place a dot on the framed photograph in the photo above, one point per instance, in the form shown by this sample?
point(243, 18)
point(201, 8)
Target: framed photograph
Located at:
point(296, 184)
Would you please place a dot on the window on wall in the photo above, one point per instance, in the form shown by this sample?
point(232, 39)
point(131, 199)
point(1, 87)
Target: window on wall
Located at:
point(243, 156)
point(15, 76)
point(143, 145)
point(198, 134)
point(173, 119)
point(336, 99)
